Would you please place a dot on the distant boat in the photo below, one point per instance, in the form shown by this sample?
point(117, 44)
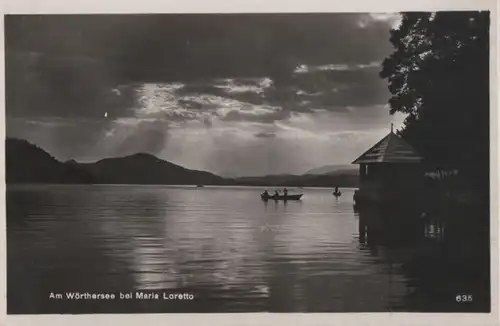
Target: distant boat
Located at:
point(281, 197)
point(200, 186)
point(337, 194)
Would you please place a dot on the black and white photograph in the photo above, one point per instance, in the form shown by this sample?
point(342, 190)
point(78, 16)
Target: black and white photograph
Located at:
point(171, 163)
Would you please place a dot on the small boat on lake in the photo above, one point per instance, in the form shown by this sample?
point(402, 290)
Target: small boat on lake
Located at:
point(337, 194)
point(200, 186)
point(281, 197)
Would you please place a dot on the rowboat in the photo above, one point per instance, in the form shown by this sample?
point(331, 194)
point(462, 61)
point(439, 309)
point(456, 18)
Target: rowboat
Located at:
point(281, 197)
point(337, 194)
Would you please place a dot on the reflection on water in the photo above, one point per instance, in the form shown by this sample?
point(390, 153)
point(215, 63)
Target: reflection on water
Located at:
point(235, 252)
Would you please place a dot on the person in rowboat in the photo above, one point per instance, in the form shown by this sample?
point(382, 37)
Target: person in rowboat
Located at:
point(276, 193)
point(265, 194)
point(285, 191)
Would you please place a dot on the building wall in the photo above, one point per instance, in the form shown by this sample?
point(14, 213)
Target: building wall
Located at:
point(379, 181)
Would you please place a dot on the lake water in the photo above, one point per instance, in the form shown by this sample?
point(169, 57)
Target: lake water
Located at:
point(231, 251)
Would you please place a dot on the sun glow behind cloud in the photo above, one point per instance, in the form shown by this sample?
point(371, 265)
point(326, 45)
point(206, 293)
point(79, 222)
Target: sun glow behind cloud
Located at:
point(393, 19)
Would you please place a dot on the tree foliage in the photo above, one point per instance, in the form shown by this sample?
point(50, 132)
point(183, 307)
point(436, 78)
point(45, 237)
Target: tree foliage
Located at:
point(439, 78)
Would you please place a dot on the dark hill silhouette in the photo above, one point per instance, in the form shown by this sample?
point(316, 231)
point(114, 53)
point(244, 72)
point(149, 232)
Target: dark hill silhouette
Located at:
point(28, 163)
point(148, 169)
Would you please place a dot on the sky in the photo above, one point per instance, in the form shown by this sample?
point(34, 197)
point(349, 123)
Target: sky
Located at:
point(236, 95)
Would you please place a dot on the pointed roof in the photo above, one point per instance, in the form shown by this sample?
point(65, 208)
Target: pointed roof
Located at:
point(390, 149)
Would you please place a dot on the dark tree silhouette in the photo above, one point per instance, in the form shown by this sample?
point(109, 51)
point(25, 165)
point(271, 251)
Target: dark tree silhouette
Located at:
point(439, 77)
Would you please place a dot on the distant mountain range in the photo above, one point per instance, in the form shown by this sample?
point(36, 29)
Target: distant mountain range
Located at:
point(28, 163)
point(334, 169)
point(306, 180)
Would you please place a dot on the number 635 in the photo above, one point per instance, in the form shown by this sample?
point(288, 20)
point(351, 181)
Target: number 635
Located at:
point(464, 298)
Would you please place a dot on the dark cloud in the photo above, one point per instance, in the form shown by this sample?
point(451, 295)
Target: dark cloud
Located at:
point(85, 67)
point(168, 116)
point(190, 104)
point(38, 85)
point(207, 122)
point(90, 52)
point(204, 87)
point(248, 97)
point(265, 135)
point(236, 115)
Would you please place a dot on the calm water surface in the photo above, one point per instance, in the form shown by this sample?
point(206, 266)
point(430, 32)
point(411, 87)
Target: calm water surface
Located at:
point(229, 249)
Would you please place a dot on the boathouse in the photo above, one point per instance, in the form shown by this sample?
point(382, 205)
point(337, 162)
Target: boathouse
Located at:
point(390, 170)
